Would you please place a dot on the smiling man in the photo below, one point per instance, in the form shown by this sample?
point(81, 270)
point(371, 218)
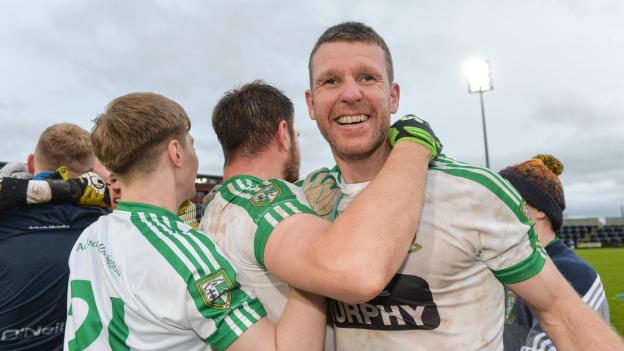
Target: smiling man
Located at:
point(264, 224)
point(474, 235)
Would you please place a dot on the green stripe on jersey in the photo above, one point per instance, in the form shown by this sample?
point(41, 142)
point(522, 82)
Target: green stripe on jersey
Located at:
point(188, 252)
point(500, 180)
point(178, 240)
point(267, 213)
point(117, 329)
point(525, 269)
point(533, 264)
point(492, 182)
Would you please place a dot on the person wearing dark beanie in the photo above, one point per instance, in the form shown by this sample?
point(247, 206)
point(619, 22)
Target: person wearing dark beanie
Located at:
point(537, 181)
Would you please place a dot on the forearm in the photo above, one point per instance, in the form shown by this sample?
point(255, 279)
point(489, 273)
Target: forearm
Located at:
point(577, 327)
point(386, 230)
point(302, 325)
point(569, 323)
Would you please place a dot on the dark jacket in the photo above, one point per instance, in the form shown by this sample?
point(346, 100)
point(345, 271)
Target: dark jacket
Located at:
point(35, 243)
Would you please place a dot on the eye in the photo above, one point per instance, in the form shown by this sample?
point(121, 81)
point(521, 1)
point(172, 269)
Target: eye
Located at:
point(330, 81)
point(367, 78)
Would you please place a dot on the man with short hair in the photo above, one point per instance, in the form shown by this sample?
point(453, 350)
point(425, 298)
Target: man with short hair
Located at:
point(63, 142)
point(140, 277)
point(538, 183)
point(265, 225)
point(35, 241)
point(474, 236)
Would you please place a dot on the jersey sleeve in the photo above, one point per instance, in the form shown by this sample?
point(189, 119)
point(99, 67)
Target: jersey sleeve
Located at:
point(219, 310)
point(212, 300)
point(509, 245)
point(267, 203)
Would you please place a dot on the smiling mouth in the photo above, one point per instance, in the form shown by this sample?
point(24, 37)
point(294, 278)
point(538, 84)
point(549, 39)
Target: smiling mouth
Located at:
point(346, 120)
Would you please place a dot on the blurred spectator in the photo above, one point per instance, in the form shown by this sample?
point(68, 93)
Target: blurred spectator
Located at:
point(538, 183)
point(114, 189)
point(35, 242)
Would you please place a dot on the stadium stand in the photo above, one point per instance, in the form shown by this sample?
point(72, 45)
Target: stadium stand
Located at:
point(591, 230)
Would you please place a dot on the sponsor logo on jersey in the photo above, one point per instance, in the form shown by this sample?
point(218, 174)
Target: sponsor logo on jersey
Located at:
point(265, 196)
point(216, 290)
point(405, 304)
point(31, 332)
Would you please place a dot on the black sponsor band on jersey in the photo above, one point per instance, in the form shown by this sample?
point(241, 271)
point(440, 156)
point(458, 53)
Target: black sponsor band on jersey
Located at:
point(405, 304)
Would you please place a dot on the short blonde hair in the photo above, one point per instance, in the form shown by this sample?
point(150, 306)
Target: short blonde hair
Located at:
point(132, 131)
point(64, 144)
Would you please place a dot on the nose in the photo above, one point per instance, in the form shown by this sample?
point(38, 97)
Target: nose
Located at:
point(351, 92)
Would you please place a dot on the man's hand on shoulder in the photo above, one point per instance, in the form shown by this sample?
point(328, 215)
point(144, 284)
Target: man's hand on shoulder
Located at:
point(417, 130)
point(88, 189)
point(94, 191)
point(321, 190)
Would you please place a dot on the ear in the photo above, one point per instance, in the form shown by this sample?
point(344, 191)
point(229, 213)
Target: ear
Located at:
point(395, 95)
point(310, 102)
point(283, 136)
point(535, 214)
point(174, 153)
point(30, 164)
point(540, 215)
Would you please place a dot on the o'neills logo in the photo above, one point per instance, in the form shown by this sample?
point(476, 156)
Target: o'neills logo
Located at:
point(29, 332)
point(405, 304)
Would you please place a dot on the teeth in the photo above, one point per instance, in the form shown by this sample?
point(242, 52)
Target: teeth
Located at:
point(352, 119)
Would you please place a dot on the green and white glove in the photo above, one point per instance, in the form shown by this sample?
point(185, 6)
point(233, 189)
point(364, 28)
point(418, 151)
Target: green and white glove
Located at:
point(417, 130)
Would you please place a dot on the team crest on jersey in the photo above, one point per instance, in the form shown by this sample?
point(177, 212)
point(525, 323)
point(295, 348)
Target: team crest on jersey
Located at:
point(216, 290)
point(265, 196)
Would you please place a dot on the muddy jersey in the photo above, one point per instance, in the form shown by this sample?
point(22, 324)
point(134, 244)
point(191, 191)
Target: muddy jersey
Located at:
point(141, 279)
point(474, 236)
point(240, 219)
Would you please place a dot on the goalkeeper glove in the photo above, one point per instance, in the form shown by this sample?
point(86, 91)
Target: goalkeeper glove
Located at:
point(415, 129)
point(321, 190)
point(88, 189)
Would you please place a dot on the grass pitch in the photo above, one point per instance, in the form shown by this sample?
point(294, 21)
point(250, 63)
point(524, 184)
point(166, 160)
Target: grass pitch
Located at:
point(609, 263)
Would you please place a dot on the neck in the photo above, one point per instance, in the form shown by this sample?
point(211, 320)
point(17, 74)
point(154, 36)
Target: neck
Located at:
point(142, 190)
point(545, 234)
point(364, 170)
point(263, 167)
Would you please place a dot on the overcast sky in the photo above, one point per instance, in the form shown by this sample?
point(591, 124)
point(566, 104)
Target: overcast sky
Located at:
point(558, 69)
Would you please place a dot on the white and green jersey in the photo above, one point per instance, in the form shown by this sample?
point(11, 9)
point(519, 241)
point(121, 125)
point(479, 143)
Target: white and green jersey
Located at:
point(240, 219)
point(141, 279)
point(474, 236)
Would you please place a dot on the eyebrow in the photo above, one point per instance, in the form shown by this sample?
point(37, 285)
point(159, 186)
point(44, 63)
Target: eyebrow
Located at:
point(324, 75)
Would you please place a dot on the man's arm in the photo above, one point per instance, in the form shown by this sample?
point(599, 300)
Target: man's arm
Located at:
point(570, 323)
point(301, 327)
point(87, 190)
point(354, 258)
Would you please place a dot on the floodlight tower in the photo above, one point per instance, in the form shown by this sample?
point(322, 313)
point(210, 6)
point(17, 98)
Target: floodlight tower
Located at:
point(480, 81)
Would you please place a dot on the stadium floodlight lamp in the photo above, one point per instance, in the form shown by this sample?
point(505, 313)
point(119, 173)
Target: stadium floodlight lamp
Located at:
point(480, 81)
point(479, 75)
